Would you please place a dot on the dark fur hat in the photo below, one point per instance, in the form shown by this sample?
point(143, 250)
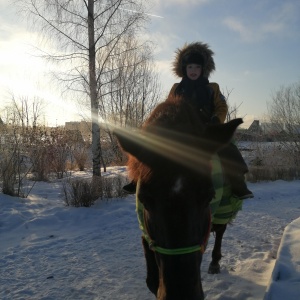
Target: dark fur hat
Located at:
point(197, 52)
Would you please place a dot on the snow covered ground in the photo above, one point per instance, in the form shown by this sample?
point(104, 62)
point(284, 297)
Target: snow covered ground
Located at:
point(285, 280)
point(49, 251)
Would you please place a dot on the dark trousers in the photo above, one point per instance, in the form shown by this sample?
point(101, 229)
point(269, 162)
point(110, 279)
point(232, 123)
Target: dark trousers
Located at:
point(233, 163)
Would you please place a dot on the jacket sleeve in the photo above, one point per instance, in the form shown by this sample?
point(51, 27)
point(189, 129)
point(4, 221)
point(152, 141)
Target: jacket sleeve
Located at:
point(220, 105)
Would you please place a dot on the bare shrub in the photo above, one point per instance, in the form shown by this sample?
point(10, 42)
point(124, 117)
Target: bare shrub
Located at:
point(80, 154)
point(257, 173)
point(58, 151)
point(284, 111)
point(79, 192)
point(266, 173)
point(112, 187)
point(270, 161)
point(84, 193)
point(8, 166)
point(59, 155)
point(285, 173)
point(120, 181)
point(41, 168)
point(50, 152)
point(14, 165)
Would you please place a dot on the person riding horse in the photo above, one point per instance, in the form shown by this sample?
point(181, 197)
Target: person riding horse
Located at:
point(194, 63)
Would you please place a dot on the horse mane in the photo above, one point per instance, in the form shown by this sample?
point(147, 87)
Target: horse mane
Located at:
point(137, 169)
point(176, 115)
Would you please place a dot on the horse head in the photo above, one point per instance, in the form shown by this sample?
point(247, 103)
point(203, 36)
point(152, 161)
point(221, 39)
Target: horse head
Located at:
point(170, 159)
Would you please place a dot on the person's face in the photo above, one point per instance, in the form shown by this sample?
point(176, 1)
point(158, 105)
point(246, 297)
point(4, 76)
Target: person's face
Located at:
point(193, 71)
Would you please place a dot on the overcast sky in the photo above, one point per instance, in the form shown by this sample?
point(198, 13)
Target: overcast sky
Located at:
point(256, 45)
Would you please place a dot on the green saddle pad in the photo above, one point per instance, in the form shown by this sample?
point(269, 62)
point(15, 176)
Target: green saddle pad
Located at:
point(224, 206)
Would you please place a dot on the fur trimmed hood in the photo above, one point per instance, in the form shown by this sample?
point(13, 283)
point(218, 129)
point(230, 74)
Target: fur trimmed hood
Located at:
point(193, 50)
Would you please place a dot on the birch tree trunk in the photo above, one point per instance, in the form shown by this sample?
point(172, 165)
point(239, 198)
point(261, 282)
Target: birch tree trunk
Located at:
point(96, 145)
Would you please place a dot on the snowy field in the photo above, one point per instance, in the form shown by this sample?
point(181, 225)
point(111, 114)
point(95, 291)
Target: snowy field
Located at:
point(49, 251)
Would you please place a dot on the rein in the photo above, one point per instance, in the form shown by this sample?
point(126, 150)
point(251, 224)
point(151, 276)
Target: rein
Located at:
point(177, 251)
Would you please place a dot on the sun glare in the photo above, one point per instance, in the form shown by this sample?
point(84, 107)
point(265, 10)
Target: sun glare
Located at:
point(183, 154)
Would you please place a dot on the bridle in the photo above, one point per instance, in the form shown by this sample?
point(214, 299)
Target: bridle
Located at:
point(177, 251)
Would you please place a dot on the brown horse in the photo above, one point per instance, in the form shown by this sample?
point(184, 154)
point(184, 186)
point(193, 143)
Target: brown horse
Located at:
point(170, 159)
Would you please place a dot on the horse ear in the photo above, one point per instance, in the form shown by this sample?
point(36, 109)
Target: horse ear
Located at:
point(136, 144)
point(127, 141)
point(217, 136)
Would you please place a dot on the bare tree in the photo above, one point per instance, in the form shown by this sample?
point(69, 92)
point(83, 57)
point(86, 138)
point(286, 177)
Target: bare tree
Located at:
point(131, 92)
point(28, 111)
point(134, 88)
point(284, 113)
point(232, 108)
point(81, 30)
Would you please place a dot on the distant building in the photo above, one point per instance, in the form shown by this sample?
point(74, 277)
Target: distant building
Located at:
point(255, 127)
point(85, 128)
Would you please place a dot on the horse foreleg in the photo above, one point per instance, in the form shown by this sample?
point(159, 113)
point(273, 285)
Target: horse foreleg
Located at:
point(214, 266)
point(152, 279)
